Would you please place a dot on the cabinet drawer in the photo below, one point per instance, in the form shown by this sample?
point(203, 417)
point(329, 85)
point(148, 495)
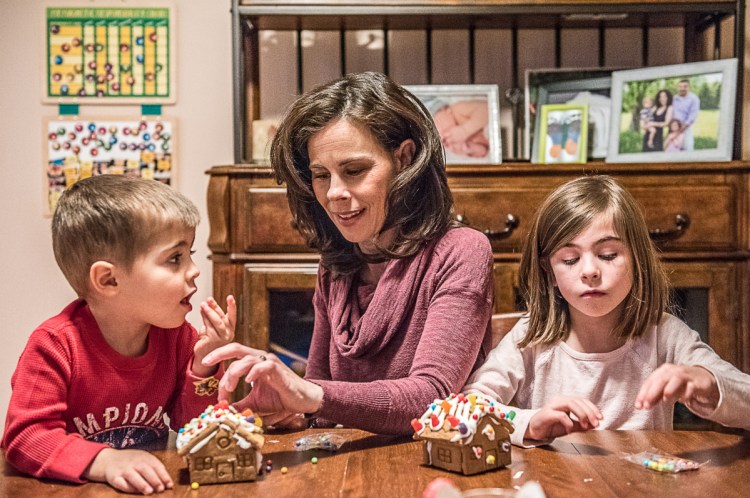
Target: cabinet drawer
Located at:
point(493, 209)
point(708, 214)
point(711, 212)
point(266, 222)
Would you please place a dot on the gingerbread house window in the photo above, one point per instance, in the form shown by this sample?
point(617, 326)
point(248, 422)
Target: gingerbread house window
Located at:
point(444, 455)
point(223, 442)
point(203, 463)
point(245, 460)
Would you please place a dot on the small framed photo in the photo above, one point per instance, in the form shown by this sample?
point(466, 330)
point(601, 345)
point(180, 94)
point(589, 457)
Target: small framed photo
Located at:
point(563, 133)
point(683, 112)
point(467, 118)
point(590, 86)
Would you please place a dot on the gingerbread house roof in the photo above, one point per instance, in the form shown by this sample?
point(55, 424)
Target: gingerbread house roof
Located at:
point(457, 418)
point(244, 427)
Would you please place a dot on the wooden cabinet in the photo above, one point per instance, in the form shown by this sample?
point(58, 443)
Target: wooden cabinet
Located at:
point(698, 212)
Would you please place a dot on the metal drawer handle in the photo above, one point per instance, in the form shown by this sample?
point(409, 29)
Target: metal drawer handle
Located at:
point(681, 223)
point(511, 223)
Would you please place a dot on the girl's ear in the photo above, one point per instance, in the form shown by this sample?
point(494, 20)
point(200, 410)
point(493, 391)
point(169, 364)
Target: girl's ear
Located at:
point(404, 154)
point(102, 279)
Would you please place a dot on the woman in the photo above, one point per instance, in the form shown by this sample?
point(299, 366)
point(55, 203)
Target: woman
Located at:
point(404, 296)
point(662, 116)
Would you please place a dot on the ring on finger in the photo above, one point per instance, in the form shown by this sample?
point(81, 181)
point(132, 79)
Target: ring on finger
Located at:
point(262, 357)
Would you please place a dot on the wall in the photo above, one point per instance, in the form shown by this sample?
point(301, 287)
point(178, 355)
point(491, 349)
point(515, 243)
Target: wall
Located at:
point(31, 287)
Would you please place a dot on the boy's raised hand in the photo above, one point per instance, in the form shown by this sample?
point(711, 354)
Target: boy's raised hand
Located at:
point(563, 415)
point(218, 330)
point(694, 386)
point(132, 471)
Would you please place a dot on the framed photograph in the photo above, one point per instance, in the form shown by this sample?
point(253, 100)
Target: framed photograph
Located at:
point(563, 133)
point(683, 112)
point(468, 119)
point(80, 147)
point(562, 86)
point(109, 52)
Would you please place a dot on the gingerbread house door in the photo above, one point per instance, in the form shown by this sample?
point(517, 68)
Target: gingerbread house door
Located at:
point(225, 472)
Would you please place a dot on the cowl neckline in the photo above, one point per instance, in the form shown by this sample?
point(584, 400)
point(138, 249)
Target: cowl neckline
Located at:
point(366, 317)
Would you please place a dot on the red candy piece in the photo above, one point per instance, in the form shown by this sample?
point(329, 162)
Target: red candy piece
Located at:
point(417, 425)
point(222, 404)
point(453, 421)
point(434, 421)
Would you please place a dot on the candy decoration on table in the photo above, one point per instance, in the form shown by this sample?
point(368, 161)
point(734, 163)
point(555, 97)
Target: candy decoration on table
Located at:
point(461, 432)
point(662, 462)
point(222, 445)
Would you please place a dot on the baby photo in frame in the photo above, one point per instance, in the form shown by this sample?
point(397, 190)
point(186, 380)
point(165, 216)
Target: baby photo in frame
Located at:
point(682, 112)
point(563, 133)
point(467, 118)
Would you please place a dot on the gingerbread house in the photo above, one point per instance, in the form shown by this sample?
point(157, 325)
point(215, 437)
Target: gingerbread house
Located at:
point(222, 445)
point(468, 434)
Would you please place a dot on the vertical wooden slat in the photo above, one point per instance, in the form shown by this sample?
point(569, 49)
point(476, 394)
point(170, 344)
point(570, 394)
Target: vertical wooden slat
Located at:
point(428, 55)
point(300, 78)
point(472, 61)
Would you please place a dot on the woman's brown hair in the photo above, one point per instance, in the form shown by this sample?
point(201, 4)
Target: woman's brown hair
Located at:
point(418, 204)
point(565, 213)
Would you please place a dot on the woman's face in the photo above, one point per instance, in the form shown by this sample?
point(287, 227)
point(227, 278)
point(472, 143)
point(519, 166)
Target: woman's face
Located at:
point(351, 176)
point(663, 99)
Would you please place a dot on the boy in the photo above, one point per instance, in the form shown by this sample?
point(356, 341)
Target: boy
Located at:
point(104, 372)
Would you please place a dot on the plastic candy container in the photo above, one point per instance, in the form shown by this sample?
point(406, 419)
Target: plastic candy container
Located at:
point(662, 462)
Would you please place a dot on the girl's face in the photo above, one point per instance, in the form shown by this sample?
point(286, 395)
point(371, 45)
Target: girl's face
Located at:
point(674, 126)
point(351, 176)
point(594, 272)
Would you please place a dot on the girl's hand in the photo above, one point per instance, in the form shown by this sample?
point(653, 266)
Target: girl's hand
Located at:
point(277, 391)
point(564, 415)
point(218, 330)
point(694, 386)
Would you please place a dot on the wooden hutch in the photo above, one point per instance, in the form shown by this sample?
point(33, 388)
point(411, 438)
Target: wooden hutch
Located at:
point(258, 256)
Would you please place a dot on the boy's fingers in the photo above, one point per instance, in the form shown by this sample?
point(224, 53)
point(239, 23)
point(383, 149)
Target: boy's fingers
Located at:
point(151, 479)
point(138, 483)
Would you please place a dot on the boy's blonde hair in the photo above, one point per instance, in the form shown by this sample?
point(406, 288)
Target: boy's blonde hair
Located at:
point(565, 213)
point(113, 218)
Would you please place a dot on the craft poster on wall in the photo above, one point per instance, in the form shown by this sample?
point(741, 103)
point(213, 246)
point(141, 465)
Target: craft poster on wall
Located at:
point(80, 148)
point(109, 55)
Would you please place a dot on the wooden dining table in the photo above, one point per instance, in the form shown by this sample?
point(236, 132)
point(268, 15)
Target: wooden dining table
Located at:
point(369, 465)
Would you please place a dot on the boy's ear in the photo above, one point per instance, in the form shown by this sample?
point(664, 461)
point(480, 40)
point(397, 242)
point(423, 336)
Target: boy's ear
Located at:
point(102, 279)
point(405, 153)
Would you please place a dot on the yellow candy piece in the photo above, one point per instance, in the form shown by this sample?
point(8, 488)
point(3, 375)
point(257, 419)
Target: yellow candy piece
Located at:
point(284, 470)
point(194, 485)
point(490, 459)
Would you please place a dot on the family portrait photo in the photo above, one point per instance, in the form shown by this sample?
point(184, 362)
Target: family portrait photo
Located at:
point(467, 118)
point(674, 113)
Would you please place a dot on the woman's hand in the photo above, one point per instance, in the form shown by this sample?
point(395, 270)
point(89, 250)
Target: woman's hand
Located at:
point(277, 392)
point(564, 415)
point(218, 330)
point(694, 386)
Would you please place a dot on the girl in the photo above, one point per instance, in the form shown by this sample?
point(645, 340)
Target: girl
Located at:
point(675, 138)
point(597, 348)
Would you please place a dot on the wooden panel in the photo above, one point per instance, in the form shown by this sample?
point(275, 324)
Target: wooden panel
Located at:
point(218, 202)
point(268, 222)
point(488, 209)
point(710, 209)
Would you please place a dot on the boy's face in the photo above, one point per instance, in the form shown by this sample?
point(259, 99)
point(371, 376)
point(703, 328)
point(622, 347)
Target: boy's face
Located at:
point(158, 288)
point(647, 102)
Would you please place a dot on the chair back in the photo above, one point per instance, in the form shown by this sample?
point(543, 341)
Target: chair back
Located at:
point(502, 323)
